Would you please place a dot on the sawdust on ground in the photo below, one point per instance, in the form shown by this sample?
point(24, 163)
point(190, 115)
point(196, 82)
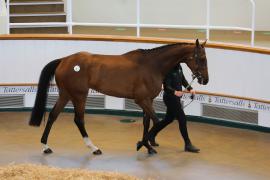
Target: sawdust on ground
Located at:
point(40, 172)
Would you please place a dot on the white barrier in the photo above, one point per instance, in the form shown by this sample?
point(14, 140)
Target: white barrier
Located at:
point(3, 17)
point(230, 72)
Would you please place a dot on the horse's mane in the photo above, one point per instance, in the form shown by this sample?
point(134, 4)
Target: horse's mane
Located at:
point(161, 48)
point(156, 50)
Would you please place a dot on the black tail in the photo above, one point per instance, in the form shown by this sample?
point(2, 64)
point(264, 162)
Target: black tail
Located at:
point(46, 75)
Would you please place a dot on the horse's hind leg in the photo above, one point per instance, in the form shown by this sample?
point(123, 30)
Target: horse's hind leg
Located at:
point(149, 112)
point(58, 107)
point(79, 107)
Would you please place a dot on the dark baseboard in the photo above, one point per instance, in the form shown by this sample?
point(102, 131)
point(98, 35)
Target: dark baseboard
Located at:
point(199, 119)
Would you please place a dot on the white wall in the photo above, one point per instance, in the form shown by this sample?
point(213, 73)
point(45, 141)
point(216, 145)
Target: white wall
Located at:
point(223, 12)
point(230, 72)
point(3, 17)
point(231, 13)
point(104, 11)
point(262, 15)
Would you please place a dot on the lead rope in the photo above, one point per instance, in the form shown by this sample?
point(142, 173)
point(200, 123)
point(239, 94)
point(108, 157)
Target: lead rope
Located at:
point(192, 96)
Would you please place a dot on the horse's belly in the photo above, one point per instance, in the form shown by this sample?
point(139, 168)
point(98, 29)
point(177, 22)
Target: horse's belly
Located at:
point(116, 89)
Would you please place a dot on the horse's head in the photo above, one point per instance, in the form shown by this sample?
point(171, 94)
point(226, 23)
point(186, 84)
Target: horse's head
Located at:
point(198, 63)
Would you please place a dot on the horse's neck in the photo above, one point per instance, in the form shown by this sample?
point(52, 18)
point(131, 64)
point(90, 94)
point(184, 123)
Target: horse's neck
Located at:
point(168, 59)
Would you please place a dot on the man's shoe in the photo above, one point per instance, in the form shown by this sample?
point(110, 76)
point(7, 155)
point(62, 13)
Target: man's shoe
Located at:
point(191, 148)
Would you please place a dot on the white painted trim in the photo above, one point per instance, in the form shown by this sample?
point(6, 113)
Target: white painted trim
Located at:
point(35, 3)
point(195, 27)
point(69, 15)
point(103, 24)
point(207, 19)
point(253, 22)
point(174, 26)
point(8, 14)
point(44, 14)
point(135, 25)
point(230, 28)
point(163, 26)
point(33, 25)
point(138, 16)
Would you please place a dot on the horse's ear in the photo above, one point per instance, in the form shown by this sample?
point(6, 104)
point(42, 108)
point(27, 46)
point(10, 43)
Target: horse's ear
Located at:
point(204, 43)
point(197, 43)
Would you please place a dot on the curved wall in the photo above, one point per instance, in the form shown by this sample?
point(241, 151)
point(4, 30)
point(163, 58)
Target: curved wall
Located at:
point(231, 72)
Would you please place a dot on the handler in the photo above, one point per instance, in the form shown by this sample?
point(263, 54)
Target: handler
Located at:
point(173, 83)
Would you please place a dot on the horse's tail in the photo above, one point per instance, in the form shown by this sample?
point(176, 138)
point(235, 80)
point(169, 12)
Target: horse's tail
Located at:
point(46, 76)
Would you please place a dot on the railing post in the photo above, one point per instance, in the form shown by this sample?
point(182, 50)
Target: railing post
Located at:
point(69, 16)
point(253, 22)
point(207, 19)
point(8, 18)
point(138, 17)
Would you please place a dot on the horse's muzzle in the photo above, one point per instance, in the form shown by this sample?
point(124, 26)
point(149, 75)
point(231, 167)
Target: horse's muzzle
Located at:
point(202, 80)
point(205, 81)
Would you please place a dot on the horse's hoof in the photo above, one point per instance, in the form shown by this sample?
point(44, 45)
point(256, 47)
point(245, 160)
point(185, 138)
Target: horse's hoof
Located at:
point(139, 145)
point(47, 151)
point(152, 151)
point(97, 152)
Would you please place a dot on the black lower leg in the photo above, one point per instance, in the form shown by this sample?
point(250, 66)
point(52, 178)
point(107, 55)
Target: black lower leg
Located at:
point(47, 130)
point(144, 142)
point(146, 124)
point(60, 104)
point(146, 105)
point(158, 127)
point(183, 127)
point(155, 119)
point(80, 125)
point(184, 134)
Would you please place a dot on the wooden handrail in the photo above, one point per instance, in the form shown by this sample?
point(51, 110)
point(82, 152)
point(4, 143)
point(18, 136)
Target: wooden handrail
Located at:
point(198, 92)
point(233, 96)
point(80, 37)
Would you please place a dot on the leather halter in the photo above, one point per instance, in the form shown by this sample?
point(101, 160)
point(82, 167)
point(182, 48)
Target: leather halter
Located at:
point(197, 74)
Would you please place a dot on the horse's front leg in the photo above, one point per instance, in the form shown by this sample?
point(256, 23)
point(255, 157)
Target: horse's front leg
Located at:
point(149, 112)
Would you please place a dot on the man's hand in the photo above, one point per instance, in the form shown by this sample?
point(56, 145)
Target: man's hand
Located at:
point(192, 92)
point(178, 93)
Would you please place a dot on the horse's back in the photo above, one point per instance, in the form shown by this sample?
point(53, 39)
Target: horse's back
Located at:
point(108, 74)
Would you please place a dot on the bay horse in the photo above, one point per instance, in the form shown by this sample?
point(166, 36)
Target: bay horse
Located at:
point(135, 75)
